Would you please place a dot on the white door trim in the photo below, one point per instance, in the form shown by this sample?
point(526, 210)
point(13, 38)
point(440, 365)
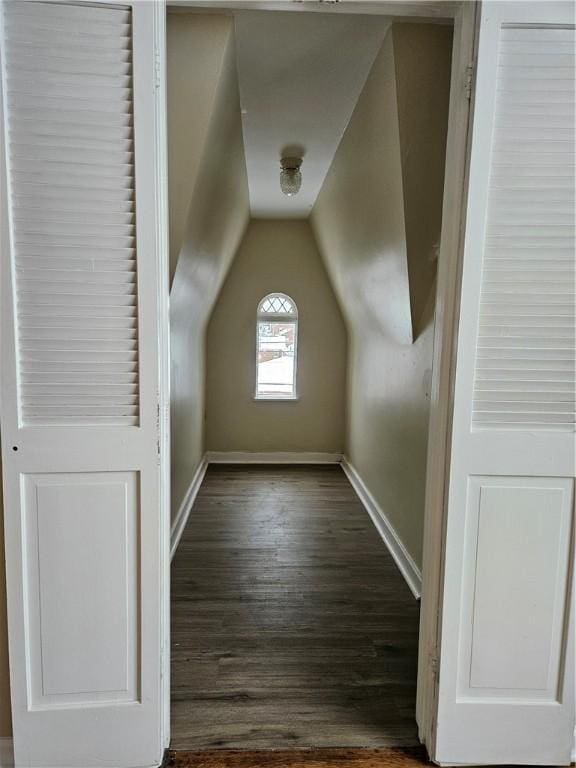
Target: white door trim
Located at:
point(440, 9)
point(163, 285)
point(443, 366)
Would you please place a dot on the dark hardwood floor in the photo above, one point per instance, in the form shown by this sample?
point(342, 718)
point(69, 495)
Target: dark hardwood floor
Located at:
point(394, 757)
point(291, 626)
point(399, 757)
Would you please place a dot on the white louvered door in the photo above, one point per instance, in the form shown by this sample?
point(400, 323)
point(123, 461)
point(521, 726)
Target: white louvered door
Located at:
point(81, 371)
point(506, 666)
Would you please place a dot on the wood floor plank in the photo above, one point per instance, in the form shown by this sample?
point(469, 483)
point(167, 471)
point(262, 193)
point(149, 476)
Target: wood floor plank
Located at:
point(413, 757)
point(398, 757)
point(291, 625)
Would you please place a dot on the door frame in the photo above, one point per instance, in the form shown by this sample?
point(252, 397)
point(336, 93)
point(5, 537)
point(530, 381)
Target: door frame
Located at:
point(444, 364)
point(163, 288)
point(463, 15)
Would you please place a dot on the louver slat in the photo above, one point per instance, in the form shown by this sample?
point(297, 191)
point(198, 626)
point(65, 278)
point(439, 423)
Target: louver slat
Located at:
point(72, 205)
point(525, 361)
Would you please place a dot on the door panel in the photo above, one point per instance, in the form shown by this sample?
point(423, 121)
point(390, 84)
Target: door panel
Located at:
point(506, 666)
point(516, 528)
point(81, 376)
point(83, 628)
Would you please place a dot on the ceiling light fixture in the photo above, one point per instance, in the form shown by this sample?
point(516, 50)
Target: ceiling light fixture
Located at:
point(290, 175)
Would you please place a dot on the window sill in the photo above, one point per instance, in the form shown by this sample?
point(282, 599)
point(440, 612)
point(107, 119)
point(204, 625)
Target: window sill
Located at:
point(264, 399)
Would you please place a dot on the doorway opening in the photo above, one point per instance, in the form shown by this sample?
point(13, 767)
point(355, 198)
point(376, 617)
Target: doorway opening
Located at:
point(307, 156)
point(85, 371)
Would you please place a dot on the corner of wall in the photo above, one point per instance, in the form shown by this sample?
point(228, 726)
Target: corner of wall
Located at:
point(376, 221)
point(196, 46)
point(217, 216)
point(422, 64)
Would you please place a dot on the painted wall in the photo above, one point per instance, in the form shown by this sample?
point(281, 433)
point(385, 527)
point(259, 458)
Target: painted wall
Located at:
point(422, 62)
point(5, 716)
point(196, 45)
point(364, 229)
point(217, 217)
point(276, 256)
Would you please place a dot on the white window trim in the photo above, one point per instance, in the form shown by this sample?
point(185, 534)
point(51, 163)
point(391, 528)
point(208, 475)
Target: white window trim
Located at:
point(285, 318)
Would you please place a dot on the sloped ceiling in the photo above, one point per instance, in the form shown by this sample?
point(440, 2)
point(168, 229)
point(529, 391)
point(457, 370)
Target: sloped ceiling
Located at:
point(217, 215)
point(422, 61)
point(300, 77)
point(196, 47)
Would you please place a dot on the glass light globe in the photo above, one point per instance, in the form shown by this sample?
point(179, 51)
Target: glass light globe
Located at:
point(290, 176)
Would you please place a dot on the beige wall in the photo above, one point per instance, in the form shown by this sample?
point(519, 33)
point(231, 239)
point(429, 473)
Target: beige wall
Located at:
point(276, 256)
point(217, 217)
point(422, 58)
point(5, 717)
point(362, 228)
point(196, 45)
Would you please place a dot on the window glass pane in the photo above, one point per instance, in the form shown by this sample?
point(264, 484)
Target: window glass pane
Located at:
point(277, 305)
point(276, 348)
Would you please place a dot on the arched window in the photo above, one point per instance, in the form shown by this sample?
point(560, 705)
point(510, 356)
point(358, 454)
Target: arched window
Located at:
point(276, 348)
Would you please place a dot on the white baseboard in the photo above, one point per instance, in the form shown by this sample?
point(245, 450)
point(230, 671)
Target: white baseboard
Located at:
point(402, 558)
point(272, 457)
point(184, 512)
point(6, 752)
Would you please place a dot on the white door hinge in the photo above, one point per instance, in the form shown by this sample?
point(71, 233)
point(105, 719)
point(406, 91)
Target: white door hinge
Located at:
point(157, 69)
point(158, 448)
point(469, 82)
point(433, 665)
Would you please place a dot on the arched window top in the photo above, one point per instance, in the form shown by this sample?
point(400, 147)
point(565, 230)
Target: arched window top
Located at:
point(276, 348)
point(277, 305)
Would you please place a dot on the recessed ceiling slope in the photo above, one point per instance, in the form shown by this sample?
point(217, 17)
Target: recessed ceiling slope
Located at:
point(300, 78)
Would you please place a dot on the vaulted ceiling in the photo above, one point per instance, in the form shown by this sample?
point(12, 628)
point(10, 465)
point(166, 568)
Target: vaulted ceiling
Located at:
point(300, 76)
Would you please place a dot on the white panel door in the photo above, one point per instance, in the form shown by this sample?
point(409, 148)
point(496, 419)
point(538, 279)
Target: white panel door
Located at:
point(506, 666)
point(82, 316)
